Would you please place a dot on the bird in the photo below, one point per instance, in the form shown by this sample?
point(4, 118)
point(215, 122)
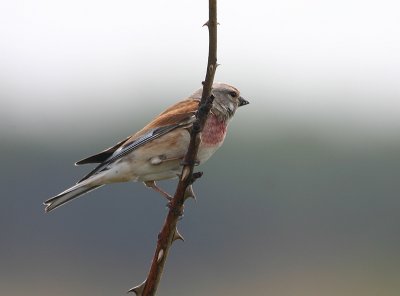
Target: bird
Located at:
point(156, 151)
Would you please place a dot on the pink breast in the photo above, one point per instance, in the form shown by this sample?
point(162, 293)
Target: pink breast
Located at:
point(214, 131)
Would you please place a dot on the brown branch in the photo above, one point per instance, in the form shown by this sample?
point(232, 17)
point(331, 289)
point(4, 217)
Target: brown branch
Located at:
point(169, 232)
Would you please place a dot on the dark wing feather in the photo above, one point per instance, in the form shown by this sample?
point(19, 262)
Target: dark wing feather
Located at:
point(102, 156)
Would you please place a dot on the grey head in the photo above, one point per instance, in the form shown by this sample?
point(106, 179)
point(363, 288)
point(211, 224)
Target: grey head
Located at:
point(226, 100)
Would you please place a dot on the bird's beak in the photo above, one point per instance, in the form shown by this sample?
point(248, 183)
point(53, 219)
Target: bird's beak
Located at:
point(243, 102)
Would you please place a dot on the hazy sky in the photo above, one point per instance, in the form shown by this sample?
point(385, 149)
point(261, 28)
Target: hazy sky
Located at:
point(295, 58)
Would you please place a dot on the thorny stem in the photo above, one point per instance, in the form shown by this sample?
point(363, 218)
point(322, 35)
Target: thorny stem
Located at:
point(169, 232)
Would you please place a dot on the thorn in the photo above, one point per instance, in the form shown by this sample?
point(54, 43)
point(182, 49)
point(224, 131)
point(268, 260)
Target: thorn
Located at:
point(203, 82)
point(138, 290)
point(196, 176)
point(207, 24)
point(217, 65)
point(160, 255)
point(210, 100)
point(177, 236)
point(185, 173)
point(189, 193)
point(176, 209)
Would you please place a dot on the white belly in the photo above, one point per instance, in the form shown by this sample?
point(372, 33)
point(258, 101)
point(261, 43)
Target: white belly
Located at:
point(205, 152)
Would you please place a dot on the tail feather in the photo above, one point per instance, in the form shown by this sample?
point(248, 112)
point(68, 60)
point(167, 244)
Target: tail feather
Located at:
point(67, 195)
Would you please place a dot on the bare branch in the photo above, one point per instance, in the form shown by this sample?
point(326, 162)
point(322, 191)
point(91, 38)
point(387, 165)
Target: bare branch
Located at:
point(169, 232)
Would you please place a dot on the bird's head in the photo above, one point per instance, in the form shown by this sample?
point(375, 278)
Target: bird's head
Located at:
point(226, 100)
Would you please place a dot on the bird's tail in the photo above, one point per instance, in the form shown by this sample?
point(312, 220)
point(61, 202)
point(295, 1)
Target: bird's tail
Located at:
point(68, 195)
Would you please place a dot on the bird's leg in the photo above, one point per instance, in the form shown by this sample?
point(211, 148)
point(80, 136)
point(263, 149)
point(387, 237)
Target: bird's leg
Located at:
point(153, 185)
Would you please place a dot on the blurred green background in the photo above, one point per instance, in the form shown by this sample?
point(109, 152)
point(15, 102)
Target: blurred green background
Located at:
point(302, 199)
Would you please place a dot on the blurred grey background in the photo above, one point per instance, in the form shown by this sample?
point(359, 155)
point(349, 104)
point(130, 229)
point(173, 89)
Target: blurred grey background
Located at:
point(303, 198)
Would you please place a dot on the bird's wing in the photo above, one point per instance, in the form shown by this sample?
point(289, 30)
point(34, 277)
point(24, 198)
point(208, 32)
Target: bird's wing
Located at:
point(102, 156)
point(181, 114)
point(172, 115)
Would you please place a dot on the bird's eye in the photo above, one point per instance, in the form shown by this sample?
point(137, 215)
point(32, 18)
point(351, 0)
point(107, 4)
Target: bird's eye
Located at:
point(233, 94)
